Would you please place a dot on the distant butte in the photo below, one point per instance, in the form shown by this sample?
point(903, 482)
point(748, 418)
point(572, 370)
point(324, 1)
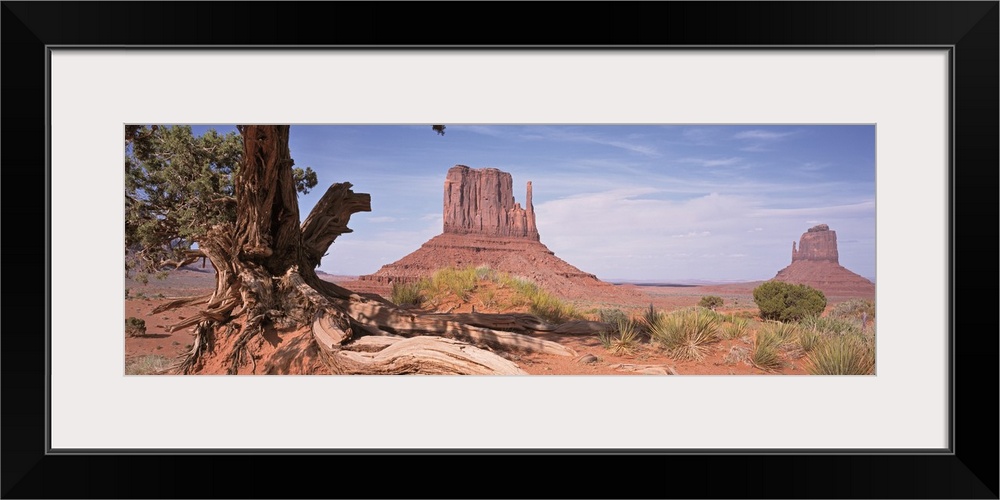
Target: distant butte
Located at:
point(484, 225)
point(816, 262)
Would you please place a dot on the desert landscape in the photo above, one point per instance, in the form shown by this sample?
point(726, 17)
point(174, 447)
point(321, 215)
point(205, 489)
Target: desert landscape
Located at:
point(485, 296)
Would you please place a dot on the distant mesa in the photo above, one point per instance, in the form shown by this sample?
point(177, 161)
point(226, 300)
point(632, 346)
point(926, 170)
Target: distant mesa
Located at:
point(816, 262)
point(485, 226)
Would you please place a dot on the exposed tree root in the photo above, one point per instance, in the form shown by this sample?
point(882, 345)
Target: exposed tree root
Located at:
point(418, 355)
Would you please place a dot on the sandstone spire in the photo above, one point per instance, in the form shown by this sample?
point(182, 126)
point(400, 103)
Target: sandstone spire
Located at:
point(481, 202)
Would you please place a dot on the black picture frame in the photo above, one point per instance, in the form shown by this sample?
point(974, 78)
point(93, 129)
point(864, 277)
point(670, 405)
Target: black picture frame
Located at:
point(970, 29)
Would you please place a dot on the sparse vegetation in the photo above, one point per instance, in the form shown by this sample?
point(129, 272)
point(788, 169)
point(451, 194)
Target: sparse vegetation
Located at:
point(463, 283)
point(408, 293)
point(809, 338)
point(649, 318)
point(854, 309)
point(135, 327)
point(842, 355)
point(765, 351)
point(686, 333)
point(831, 326)
point(622, 338)
point(788, 302)
point(460, 282)
point(150, 364)
point(735, 327)
point(611, 316)
point(712, 302)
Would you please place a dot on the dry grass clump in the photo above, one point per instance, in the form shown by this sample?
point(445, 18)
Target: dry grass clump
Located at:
point(135, 327)
point(687, 333)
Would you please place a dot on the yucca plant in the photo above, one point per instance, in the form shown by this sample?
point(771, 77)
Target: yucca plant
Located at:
point(809, 338)
point(622, 339)
point(649, 318)
point(842, 355)
point(765, 352)
point(785, 332)
point(735, 327)
point(686, 334)
point(832, 326)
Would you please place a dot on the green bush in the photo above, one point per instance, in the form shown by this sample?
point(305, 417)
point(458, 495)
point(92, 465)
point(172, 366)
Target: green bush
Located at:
point(135, 327)
point(711, 302)
point(788, 302)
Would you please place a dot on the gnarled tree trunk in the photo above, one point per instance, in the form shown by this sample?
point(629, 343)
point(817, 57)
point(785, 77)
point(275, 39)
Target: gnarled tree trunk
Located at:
point(265, 276)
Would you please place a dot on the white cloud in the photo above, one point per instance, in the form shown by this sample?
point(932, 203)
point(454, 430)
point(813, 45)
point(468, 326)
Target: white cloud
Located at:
point(712, 162)
point(693, 234)
point(762, 135)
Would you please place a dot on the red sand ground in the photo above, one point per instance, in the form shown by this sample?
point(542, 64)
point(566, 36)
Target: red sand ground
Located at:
point(738, 297)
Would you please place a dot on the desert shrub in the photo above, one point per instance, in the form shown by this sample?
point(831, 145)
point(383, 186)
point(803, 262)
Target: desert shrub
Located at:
point(622, 338)
point(460, 282)
point(854, 309)
point(408, 293)
point(808, 339)
point(711, 302)
point(686, 334)
point(842, 355)
point(765, 351)
point(552, 310)
point(134, 327)
point(649, 319)
point(735, 327)
point(785, 332)
point(788, 302)
point(150, 364)
point(831, 326)
point(611, 316)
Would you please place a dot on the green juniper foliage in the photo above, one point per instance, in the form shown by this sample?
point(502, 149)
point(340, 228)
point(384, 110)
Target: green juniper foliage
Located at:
point(787, 302)
point(177, 186)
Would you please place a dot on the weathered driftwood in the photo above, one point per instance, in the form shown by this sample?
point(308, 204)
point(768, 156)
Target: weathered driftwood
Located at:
point(417, 355)
point(646, 369)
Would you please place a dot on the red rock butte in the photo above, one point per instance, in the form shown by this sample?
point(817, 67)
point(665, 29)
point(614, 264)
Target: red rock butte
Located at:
point(485, 226)
point(816, 262)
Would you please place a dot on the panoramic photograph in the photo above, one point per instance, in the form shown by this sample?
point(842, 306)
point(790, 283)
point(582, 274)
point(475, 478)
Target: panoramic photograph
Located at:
point(482, 249)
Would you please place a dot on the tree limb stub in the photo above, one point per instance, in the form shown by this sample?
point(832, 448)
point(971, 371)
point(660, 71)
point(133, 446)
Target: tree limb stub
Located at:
point(329, 219)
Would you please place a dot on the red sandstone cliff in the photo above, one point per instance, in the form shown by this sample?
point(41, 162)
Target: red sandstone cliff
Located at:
point(816, 262)
point(482, 202)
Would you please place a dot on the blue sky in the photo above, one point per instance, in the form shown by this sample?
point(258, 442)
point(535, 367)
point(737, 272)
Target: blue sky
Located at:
point(631, 202)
